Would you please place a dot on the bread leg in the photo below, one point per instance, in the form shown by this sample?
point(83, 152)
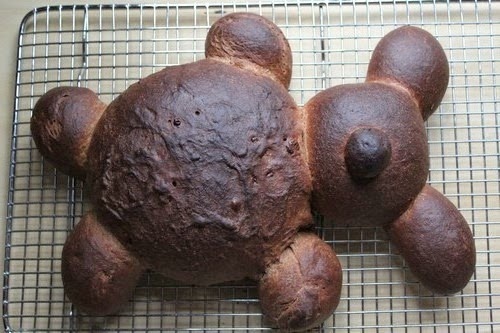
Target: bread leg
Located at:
point(436, 242)
point(302, 289)
point(99, 274)
point(62, 125)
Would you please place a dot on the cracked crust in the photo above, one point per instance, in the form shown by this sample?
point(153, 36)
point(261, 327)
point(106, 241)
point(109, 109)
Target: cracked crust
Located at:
point(202, 186)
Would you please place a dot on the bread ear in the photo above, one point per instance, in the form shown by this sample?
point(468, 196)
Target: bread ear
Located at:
point(244, 39)
point(436, 242)
point(413, 58)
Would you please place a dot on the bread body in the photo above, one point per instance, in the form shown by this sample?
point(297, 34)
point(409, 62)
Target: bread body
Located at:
point(207, 181)
point(198, 172)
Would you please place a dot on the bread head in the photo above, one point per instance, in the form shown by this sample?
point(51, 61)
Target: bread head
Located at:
point(365, 186)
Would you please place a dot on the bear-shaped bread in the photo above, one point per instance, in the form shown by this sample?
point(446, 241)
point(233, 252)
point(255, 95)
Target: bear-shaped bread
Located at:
point(206, 173)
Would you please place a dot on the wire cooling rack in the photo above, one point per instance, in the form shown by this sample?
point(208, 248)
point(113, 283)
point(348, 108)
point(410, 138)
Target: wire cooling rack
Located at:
point(108, 47)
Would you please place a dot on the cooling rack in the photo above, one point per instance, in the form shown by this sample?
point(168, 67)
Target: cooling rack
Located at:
point(108, 47)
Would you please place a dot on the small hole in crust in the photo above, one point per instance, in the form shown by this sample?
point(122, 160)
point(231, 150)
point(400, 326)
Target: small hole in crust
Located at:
point(197, 112)
point(177, 122)
point(174, 183)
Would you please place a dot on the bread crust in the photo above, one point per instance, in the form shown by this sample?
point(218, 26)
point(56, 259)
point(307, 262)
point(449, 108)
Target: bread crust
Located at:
point(208, 180)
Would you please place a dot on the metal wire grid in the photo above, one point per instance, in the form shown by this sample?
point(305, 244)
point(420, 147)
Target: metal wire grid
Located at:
point(107, 47)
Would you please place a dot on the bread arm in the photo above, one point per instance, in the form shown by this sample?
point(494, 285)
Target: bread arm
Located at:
point(302, 289)
point(253, 42)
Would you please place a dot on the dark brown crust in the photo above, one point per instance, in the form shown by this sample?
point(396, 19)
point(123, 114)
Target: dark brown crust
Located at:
point(303, 288)
point(436, 242)
point(412, 57)
point(99, 274)
point(246, 37)
point(367, 153)
point(62, 124)
point(332, 116)
point(208, 181)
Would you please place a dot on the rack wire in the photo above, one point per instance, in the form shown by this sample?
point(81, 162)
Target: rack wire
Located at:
point(108, 47)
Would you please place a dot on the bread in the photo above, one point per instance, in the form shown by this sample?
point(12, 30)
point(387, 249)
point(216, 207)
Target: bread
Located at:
point(412, 59)
point(312, 284)
point(199, 172)
point(205, 172)
point(368, 155)
point(61, 125)
point(436, 242)
point(98, 273)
